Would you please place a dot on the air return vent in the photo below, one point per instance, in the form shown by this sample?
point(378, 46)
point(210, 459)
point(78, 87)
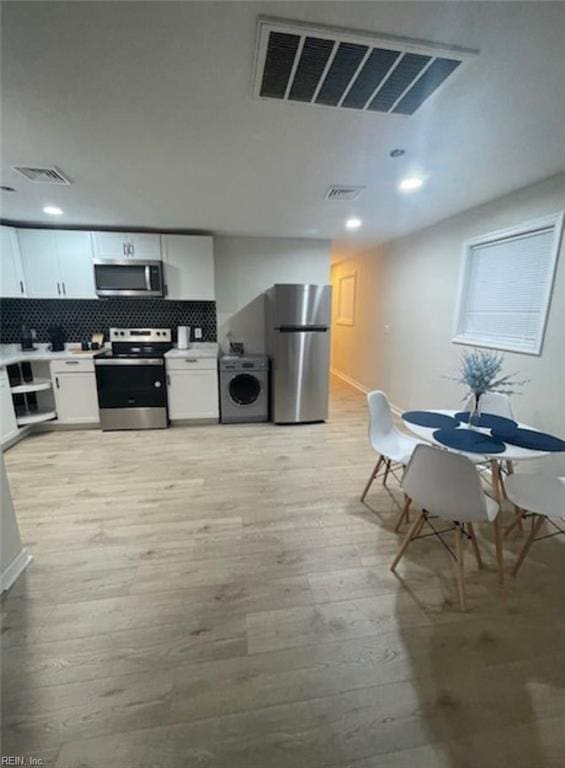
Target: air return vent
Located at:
point(343, 193)
point(42, 175)
point(331, 67)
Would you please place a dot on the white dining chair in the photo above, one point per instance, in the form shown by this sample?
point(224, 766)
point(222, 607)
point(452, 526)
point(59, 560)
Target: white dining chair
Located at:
point(543, 499)
point(492, 402)
point(446, 485)
point(393, 446)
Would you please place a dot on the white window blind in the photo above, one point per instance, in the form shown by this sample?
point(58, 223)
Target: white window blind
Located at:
point(506, 287)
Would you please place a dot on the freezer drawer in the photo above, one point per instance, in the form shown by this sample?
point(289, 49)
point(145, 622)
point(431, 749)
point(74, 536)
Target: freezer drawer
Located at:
point(300, 376)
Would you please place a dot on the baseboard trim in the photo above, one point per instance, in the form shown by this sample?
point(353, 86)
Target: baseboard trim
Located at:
point(349, 380)
point(16, 567)
point(357, 385)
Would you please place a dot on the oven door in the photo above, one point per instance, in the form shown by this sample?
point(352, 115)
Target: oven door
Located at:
point(124, 277)
point(131, 383)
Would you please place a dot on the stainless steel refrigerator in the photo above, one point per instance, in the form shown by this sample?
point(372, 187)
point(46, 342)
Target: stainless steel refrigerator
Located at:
point(298, 332)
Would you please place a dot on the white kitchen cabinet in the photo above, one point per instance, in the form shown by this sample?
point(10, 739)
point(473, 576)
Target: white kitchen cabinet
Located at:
point(74, 385)
point(189, 267)
point(192, 389)
point(11, 273)
point(126, 245)
point(74, 254)
point(57, 264)
point(40, 263)
point(7, 413)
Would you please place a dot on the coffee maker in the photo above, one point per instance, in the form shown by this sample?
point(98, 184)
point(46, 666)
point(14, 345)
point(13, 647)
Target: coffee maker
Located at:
point(57, 338)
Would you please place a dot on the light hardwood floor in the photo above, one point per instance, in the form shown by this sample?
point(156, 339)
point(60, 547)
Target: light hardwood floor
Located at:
point(218, 597)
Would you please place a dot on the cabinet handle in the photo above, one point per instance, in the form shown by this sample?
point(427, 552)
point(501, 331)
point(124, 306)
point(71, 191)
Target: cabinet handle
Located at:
point(125, 249)
point(168, 380)
point(57, 382)
point(190, 360)
point(21, 286)
point(64, 289)
point(59, 288)
point(72, 362)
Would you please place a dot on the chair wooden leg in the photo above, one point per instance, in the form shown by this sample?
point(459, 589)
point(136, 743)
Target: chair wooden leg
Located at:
point(372, 477)
point(407, 539)
point(405, 514)
point(460, 567)
point(475, 544)
point(528, 543)
point(387, 470)
point(496, 484)
point(518, 515)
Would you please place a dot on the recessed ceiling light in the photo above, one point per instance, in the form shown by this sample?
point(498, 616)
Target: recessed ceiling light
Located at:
point(7, 189)
point(353, 223)
point(410, 183)
point(52, 210)
point(397, 152)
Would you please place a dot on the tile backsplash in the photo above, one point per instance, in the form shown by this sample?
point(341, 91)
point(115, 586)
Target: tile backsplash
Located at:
point(82, 317)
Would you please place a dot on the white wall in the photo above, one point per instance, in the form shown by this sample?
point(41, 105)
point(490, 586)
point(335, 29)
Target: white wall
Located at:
point(246, 266)
point(409, 314)
point(13, 558)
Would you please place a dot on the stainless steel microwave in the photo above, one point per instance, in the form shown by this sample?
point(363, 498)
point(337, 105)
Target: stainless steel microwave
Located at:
point(128, 277)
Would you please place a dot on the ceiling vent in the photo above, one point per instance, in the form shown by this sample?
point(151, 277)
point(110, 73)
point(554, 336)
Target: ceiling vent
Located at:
point(343, 193)
point(329, 67)
point(42, 175)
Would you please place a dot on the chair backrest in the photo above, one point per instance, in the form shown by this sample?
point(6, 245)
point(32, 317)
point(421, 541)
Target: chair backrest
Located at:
point(380, 415)
point(444, 484)
point(492, 402)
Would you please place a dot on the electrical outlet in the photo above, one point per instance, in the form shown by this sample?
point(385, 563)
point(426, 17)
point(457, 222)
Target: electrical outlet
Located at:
point(197, 333)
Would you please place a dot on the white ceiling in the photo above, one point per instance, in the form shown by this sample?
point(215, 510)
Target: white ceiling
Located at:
point(147, 108)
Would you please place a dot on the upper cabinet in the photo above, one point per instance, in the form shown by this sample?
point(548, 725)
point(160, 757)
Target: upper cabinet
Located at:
point(57, 264)
point(125, 245)
point(11, 273)
point(189, 267)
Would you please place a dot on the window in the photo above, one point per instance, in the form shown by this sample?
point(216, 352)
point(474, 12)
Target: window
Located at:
point(506, 284)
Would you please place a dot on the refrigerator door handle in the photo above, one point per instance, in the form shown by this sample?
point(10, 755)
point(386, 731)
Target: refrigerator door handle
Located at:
point(302, 329)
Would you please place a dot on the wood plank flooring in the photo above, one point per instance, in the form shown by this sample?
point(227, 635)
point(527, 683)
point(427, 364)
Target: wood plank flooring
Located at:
point(218, 597)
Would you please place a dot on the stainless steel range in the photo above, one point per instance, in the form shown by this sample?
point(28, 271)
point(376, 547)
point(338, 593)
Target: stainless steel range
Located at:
point(131, 381)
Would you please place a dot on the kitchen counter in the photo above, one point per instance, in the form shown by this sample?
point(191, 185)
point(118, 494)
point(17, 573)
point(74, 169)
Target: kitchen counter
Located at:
point(196, 350)
point(12, 353)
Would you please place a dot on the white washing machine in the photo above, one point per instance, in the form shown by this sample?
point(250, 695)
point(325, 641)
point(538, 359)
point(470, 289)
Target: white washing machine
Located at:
point(244, 388)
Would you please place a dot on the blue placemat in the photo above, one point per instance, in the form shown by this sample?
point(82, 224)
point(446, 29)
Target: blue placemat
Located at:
point(529, 438)
point(488, 420)
point(468, 440)
point(430, 419)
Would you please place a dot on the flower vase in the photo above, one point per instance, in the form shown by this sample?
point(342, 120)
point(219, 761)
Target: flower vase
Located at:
point(475, 415)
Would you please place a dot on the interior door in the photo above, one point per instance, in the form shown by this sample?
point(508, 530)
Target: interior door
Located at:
point(40, 263)
point(11, 273)
point(301, 376)
point(74, 251)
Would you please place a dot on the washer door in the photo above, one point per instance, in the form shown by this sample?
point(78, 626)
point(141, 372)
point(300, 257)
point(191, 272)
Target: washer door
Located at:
point(244, 389)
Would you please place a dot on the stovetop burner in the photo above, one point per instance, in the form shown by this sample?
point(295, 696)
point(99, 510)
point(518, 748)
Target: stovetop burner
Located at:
point(138, 343)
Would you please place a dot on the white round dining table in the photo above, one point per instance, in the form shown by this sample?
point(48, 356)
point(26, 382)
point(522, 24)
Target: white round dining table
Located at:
point(511, 454)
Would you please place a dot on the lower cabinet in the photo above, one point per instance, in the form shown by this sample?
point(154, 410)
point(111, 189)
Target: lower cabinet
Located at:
point(74, 385)
point(192, 388)
point(8, 421)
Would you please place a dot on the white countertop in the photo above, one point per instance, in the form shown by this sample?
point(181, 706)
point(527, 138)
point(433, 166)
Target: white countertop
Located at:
point(12, 353)
point(197, 349)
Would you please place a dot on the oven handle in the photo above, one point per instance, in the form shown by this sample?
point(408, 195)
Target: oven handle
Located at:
point(131, 361)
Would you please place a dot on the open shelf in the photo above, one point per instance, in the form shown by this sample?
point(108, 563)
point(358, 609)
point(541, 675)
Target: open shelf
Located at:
point(35, 417)
point(32, 386)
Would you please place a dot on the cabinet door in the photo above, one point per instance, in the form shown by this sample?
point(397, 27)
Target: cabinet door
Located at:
point(11, 273)
point(41, 266)
point(76, 399)
point(189, 267)
point(74, 251)
point(7, 412)
point(110, 245)
point(145, 246)
point(193, 395)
